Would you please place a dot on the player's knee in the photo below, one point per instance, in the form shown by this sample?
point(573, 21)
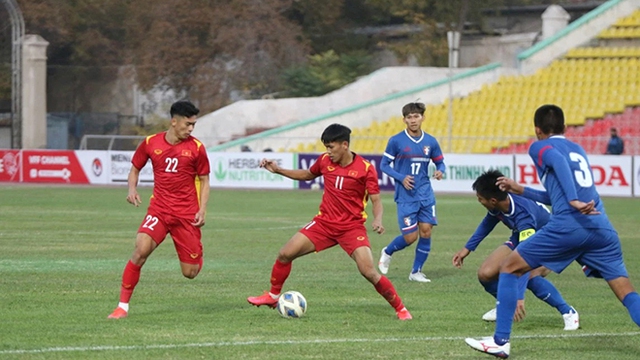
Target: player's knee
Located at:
point(425, 233)
point(138, 258)
point(190, 273)
point(285, 257)
point(486, 274)
point(411, 238)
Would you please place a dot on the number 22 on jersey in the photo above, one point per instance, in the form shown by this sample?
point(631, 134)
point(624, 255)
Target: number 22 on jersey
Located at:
point(172, 165)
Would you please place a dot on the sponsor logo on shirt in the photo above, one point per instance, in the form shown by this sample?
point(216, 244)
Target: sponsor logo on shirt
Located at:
point(330, 168)
point(157, 151)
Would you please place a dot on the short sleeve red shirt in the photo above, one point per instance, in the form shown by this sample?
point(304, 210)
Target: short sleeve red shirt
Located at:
point(346, 189)
point(175, 173)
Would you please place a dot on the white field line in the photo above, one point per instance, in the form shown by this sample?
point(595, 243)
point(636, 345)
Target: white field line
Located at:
point(289, 342)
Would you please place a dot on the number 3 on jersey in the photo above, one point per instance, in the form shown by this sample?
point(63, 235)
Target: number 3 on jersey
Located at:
point(583, 175)
point(172, 165)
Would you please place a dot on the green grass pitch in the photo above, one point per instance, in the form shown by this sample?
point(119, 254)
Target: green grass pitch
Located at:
point(62, 251)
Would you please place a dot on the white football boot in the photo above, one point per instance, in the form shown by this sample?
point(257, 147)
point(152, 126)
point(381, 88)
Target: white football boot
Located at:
point(488, 346)
point(383, 263)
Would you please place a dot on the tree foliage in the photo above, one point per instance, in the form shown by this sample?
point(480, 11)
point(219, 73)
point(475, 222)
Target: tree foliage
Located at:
point(324, 73)
point(207, 49)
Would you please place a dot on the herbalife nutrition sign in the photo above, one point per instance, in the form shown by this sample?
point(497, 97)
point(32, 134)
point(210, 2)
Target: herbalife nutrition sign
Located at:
point(242, 170)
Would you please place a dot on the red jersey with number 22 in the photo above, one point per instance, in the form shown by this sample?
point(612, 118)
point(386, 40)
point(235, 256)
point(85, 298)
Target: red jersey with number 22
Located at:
point(176, 188)
point(346, 190)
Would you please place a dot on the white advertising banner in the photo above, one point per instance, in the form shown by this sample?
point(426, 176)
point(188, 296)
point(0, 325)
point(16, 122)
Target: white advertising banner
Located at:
point(612, 174)
point(463, 169)
point(242, 170)
point(96, 165)
point(120, 166)
point(636, 172)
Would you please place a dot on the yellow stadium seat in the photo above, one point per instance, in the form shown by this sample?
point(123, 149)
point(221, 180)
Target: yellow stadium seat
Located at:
point(587, 83)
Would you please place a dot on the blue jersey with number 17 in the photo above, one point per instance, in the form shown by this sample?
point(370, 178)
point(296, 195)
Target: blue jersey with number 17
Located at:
point(411, 156)
point(565, 172)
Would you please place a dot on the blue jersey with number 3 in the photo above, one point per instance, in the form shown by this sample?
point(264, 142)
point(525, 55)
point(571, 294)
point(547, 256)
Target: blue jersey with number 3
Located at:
point(565, 172)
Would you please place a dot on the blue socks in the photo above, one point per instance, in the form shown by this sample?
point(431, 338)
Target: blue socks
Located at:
point(523, 281)
point(491, 287)
point(396, 244)
point(422, 250)
point(544, 290)
point(422, 253)
point(507, 302)
point(632, 303)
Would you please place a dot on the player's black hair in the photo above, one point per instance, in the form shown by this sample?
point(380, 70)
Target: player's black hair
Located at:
point(485, 185)
point(335, 133)
point(413, 108)
point(549, 119)
point(184, 108)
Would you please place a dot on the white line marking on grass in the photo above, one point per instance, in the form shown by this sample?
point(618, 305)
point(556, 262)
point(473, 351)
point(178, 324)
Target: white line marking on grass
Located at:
point(287, 342)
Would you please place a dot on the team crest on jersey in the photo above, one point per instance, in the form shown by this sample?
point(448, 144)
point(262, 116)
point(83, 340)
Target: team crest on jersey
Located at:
point(157, 151)
point(426, 150)
point(407, 221)
point(330, 168)
point(186, 152)
point(353, 173)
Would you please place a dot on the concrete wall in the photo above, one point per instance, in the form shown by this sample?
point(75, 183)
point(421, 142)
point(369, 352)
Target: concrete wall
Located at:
point(362, 116)
point(234, 120)
point(502, 49)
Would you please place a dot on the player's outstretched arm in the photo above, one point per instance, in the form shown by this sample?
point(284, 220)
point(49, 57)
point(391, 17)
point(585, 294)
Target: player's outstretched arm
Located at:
point(299, 174)
point(376, 203)
point(509, 185)
point(458, 258)
point(133, 197)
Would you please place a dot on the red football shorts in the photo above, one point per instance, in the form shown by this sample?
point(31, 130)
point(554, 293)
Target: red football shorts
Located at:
point(324, 236)
point(187, 238)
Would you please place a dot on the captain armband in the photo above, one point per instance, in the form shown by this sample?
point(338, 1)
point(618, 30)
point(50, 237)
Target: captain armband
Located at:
point(525, 234)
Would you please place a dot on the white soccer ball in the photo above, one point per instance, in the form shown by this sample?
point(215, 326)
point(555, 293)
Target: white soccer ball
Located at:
point(292, 304)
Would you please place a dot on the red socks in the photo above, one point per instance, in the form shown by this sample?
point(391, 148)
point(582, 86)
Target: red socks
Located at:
point(385, 288)
point(130, 278)
point(279, 274)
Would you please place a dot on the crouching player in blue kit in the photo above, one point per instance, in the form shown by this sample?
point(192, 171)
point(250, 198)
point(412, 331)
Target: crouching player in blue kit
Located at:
point(524, 217)
point(410, 152)
point(577, 230)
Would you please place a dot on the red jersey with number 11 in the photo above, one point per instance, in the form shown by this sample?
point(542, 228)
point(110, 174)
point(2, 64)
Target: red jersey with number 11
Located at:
point(346, 189)
point(175, 173)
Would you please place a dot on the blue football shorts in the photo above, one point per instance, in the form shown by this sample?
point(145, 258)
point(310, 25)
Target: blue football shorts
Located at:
point(412, 213)
point(598, 249)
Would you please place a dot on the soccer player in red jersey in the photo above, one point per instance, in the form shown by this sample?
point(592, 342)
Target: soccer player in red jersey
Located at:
point(349, 181)
point(179, 200)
